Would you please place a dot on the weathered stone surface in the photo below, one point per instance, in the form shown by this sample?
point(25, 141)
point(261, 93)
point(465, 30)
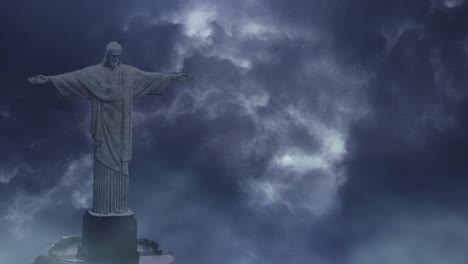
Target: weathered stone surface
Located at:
point(109, 238)
point(62, 253)
point(162, 259)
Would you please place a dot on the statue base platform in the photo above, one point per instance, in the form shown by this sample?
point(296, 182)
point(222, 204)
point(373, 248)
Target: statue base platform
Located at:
point(66, 252)
point(106, 239)
point(109, 238)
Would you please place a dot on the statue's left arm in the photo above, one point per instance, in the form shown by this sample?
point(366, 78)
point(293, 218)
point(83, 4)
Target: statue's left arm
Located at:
point(155, 83)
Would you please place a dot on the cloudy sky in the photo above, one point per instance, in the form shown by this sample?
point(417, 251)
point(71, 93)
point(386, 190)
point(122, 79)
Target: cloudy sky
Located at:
point(315, 131)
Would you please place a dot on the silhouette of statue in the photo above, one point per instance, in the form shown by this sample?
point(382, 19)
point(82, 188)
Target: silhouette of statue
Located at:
point(111, 88)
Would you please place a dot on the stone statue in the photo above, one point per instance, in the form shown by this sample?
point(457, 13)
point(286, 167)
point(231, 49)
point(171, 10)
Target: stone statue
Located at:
point(111, 88)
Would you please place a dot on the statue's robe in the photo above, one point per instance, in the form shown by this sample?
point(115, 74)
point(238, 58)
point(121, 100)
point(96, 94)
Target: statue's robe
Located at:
point(111, 92)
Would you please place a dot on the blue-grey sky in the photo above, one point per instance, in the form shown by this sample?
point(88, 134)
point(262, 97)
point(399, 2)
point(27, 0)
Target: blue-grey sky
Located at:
point(319, 131)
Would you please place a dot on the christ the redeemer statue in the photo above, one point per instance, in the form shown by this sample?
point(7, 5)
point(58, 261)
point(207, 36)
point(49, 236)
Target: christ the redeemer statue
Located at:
point(111, 88)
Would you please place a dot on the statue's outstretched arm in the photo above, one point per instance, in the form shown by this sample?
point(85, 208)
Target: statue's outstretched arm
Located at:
point(70, 84)
point(154, 83)
point(39, 79)
point(182, 77)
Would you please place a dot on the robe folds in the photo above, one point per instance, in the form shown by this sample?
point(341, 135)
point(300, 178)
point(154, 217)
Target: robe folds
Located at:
point(111, 105)
point(111, 92)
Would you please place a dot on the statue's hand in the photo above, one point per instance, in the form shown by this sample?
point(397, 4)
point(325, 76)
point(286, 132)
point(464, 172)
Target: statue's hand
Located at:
point(183, 77)
point(39, 79)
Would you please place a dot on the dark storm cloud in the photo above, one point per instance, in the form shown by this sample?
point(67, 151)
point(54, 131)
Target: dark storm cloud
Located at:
point(214, 147)
point(415, 116)
point(292, 102)
point(407, 158)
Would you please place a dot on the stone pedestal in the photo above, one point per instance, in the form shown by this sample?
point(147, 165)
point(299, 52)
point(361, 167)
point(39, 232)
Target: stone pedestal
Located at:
point(66, 252)
point(107, 238)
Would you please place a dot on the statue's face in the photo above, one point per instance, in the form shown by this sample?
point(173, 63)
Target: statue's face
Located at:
point(114, 58)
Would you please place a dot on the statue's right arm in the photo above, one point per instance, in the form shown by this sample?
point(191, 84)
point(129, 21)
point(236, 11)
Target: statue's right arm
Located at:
point(70, 84)
point(39, 79)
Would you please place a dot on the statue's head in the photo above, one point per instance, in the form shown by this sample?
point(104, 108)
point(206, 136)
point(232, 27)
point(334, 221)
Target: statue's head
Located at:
point(113, 55)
